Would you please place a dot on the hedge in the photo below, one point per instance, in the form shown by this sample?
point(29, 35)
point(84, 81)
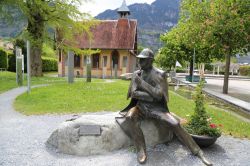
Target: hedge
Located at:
point(12, 62)
point(3, 59)
point(49, 64)
point(244, 70)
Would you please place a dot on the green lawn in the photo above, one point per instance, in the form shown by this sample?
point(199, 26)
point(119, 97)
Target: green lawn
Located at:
point(231, 125)
point(100, 95)
point(8, 80)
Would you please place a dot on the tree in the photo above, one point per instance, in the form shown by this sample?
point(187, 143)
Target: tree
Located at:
point(228, 29)
point(44, 14)
point(216, 29)
point(179, 45)
point(171, 51)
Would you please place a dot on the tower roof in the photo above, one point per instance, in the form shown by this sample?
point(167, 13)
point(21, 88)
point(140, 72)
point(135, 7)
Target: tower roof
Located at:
point(124, 8)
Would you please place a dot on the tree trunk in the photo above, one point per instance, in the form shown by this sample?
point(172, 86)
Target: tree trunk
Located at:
point(36, 29)
point(36, 61)
point(226, 75)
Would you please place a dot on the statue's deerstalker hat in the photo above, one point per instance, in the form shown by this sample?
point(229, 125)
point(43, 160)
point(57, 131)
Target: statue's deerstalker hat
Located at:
point(146, 53)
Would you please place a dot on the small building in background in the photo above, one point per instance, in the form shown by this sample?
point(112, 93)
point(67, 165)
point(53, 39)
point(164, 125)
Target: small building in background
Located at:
point(6, 44)
point(243, 60)
point(117, 42)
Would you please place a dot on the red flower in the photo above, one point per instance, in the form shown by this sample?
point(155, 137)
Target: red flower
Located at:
point(212, 125)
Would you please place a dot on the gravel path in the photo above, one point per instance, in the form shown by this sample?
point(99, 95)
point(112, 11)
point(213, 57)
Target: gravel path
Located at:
point(22, 143)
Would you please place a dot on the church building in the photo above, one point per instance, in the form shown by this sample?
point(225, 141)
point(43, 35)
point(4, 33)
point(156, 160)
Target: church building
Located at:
point(117, 42)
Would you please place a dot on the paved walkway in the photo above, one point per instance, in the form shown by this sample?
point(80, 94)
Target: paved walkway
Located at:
point(238, 88)
point(22, 143)
point(238, 91)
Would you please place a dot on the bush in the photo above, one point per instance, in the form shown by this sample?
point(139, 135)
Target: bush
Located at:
point(208, 67)
point(244, 70)
point(49, 64)
point(12, 62)
point(3, 59)
point(180, 70)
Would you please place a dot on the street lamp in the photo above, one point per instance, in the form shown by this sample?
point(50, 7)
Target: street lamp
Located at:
point(193, 65)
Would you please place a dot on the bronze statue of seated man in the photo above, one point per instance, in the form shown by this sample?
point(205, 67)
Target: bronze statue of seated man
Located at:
point(148, 91)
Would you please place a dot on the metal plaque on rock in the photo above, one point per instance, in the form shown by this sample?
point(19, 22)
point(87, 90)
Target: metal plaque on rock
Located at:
point(90, 130)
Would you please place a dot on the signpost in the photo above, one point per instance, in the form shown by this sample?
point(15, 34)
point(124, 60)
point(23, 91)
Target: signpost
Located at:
point(23, 66)
point(28, 67)
point(19, 74)
point(88, 69)
point(70, 67)
point(116, 72)
point(193, 66)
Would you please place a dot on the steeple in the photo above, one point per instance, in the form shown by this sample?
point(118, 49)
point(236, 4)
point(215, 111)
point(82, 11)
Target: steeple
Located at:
point(123, 11)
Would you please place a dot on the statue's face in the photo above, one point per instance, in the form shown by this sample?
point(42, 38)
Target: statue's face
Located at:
point(145, 63)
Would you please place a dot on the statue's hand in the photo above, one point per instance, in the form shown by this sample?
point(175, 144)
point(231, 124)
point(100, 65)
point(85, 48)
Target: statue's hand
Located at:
point(142, 96)
point(138, 80)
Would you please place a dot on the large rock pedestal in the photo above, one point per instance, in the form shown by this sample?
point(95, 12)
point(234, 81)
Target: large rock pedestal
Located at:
point(68, 139)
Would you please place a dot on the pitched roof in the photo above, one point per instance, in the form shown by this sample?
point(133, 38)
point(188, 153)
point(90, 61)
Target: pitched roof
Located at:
point(111, 34)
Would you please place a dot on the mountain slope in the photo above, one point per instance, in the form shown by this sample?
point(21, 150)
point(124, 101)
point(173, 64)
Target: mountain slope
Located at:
point(11, 27)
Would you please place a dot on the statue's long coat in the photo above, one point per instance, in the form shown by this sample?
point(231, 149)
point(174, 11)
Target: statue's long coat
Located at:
point(156, 86)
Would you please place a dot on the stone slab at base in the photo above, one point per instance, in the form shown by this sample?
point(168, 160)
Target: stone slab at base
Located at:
point(67, 138)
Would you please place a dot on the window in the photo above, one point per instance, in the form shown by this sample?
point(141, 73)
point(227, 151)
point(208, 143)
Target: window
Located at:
point(124, 61)
point(77, 59)
point(105, 61)
point(115, 58)
point(85, 60)
point(95, 60)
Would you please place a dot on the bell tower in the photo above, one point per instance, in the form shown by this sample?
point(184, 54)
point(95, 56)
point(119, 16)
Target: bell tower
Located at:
point(123, 11)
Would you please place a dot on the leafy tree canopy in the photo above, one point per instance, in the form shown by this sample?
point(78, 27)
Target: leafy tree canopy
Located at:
point(217, 29)
point(42, 15)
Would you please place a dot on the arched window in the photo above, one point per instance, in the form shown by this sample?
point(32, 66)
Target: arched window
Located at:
point(77, 60)
point(114, 58)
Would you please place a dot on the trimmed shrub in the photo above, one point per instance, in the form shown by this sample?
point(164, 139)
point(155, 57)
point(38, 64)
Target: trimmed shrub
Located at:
point(3, 59)
point(244, 70)
point(49, 64)
point(180, 70)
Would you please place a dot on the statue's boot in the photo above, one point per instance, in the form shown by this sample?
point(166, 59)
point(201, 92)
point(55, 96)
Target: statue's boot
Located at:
point(131, 126)
point(203, 159)
point(142, 156)
point(140, 145)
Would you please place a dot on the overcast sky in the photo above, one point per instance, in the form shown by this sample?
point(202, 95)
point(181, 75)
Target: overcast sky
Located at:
point(97, 6)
